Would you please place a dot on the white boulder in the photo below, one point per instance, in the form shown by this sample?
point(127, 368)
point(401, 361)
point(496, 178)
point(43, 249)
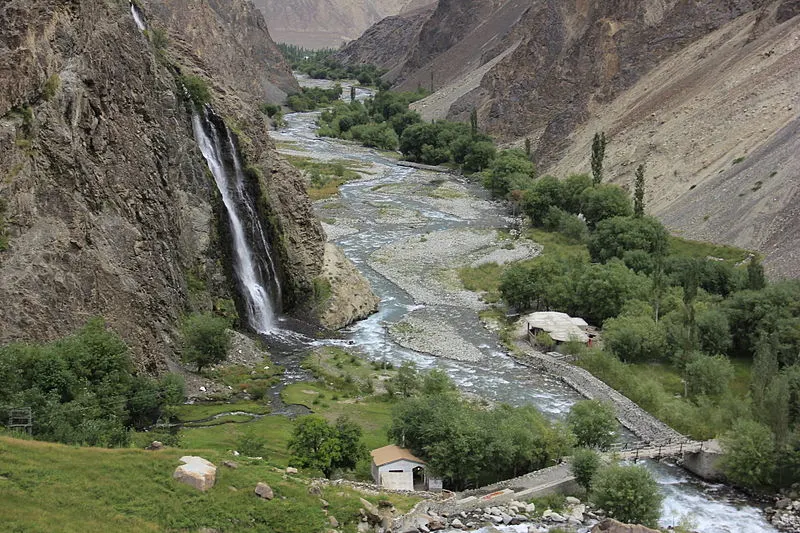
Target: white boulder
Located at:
point(196, 472)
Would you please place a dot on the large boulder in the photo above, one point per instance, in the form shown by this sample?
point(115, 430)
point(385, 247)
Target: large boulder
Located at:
point(612, 526)
point(264, 491)
point(196, 472)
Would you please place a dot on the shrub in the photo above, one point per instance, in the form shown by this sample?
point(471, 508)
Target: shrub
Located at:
point(748, 459)
point(708, 375)
point(605, 201)
point(593, 423)
point(269, 109)
point(205, 339)
point(628, 494)
point(51, 87)
point(380, 136)
point(584, 466)
point(196, 89)
point(250, 445)
point(634, 338)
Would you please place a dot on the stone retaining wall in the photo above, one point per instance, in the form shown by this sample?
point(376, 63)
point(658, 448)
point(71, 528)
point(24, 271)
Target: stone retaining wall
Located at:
point(637, 420)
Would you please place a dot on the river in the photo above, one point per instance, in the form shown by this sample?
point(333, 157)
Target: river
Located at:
point(407, 230)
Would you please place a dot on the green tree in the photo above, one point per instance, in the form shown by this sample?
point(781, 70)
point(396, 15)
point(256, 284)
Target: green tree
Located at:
point(437, 382)
point(406, 382)
point(473, 121)
point(628, 494)
point(593, 423)
point(598, 155)
point(765, 368)
point(572, 191)
point(634, 338)
point(205, 340)
point(708, 375)
point(601, 291)
point(615, 236)
point(605, 201)
point(755, 275)
point(584, 465)
point(479, 157)
point(317, 444)
point(749, 454)
point(638, 194)
point(713, 331)
point(540, 196)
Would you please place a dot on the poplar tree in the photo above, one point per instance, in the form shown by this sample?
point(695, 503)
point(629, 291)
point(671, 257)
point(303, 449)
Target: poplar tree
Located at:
point(598, 154)
point(638, 193)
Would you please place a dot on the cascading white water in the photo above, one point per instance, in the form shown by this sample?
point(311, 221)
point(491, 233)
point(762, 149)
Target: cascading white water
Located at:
point(137, 17)
point(254, 221)
point(260, 313)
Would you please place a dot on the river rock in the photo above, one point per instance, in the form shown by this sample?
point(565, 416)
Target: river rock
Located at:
point(291, 470)
point(156, 445)
point(576, 513)
point(783, 503)
point(265, 491)
point(231, 464)
point(612, 526)
point(196, 472)
point(571, 500)
point(456, 523)
point(332, 520)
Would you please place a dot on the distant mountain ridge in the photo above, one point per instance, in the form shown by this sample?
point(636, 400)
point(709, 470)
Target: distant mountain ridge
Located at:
point(686, 88)
point(327, 23)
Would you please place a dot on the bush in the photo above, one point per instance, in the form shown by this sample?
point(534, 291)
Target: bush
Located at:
point(748, 459)
point(269, 109)
point(708, 375)
point(380, 136)
point(82, 389)
point(613, 237)
point(250, 445)
point(628, 494)
point(205, 339)
point(605, 201)
point(196, 89)
point(584, 465)
point(634, 338)
point(593, 423)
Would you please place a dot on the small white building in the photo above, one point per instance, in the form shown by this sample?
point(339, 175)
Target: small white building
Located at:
point(396, 468)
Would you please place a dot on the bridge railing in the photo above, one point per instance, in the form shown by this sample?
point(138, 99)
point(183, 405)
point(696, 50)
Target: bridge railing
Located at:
point(656, 449)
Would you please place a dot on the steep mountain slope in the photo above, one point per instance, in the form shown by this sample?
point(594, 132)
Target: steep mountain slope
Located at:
point(106, 204)
point(686, 86)
point(327, 23)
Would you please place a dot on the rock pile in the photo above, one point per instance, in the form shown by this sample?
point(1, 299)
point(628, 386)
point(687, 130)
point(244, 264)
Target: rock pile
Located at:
point(785, 513)
point(513, 513)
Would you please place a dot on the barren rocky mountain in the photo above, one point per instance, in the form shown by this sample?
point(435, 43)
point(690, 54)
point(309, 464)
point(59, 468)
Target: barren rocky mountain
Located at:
point(327, 23)
point(106, 203)
point(686, 87)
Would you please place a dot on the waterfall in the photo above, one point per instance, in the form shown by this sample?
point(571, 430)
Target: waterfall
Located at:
point(249, 271)
point(137, 17)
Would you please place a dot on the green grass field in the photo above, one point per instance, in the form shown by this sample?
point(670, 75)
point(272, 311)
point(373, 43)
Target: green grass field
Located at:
point(50, 487)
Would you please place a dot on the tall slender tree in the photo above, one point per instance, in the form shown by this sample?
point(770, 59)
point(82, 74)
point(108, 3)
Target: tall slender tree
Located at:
point(598, 154)
point(473, 122)
point(638, 193)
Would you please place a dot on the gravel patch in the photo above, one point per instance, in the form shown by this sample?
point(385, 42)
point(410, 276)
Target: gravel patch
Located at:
point(341, 228)
point(426, 330)
point(420, 265)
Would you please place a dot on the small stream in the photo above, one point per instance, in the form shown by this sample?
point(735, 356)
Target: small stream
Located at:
point(710, 508)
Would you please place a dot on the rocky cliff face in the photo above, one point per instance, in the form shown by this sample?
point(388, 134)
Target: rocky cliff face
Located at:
point(686, 87)
point(106, 204)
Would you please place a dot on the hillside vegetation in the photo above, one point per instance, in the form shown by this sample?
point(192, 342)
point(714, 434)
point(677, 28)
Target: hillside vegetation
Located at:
point(98, 490)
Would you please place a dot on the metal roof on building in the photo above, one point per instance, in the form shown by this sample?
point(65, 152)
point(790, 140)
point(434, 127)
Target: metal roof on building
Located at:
point(392, 453)
point(560, 326)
